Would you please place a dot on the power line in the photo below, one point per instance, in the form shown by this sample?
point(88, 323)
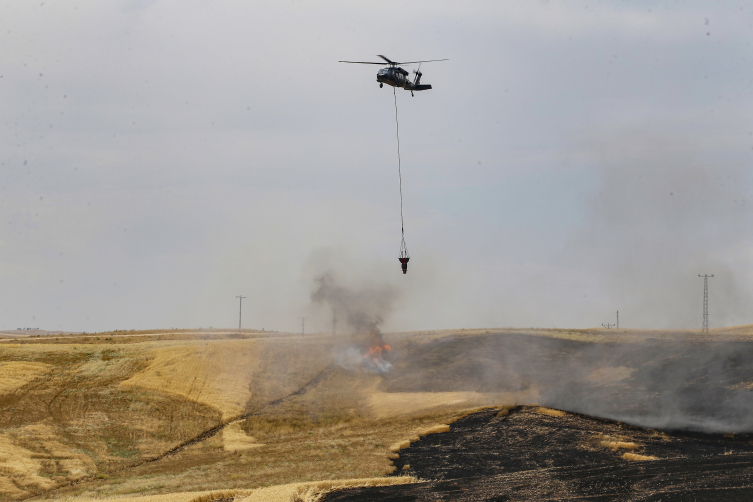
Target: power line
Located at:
point(615, 325)
point(705, 325)
point(240, 303)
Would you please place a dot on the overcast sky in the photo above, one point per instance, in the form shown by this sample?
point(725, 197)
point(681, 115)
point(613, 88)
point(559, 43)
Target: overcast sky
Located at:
point(574, 158)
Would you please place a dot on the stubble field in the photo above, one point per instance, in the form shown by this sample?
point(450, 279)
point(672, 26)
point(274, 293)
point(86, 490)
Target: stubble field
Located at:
point(88, 416)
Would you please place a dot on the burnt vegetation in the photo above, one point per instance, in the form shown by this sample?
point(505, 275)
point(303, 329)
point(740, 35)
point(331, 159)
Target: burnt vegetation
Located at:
point(691, 394)
point(529, 455)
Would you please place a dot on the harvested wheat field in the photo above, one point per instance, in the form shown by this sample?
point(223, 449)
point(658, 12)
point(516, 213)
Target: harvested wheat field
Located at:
point(200, 415)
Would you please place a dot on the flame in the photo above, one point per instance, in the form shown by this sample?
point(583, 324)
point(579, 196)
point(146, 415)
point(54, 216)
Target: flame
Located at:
point(373, 355)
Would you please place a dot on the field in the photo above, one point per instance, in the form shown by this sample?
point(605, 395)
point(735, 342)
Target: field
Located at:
point(98, 409)
point(190, 415)
point(534, 453)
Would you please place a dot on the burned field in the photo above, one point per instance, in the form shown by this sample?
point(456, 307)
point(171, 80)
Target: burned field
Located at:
point(532, 453)
point(695, 391)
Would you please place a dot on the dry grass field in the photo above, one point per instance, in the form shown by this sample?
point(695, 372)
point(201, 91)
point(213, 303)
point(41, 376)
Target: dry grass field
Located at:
point(115, 415)
point(85, 415)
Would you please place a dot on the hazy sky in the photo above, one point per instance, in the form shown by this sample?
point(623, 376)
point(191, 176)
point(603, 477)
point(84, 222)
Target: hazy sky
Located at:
point(158, 158)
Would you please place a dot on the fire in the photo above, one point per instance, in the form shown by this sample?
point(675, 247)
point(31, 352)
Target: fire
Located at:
point(373, 355)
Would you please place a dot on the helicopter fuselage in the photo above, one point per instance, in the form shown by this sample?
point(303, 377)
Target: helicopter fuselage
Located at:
point(394, 76)
point(397, 77)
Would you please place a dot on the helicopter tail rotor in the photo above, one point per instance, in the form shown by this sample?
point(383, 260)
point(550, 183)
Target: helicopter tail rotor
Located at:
point(418, 73)
point(417, 85)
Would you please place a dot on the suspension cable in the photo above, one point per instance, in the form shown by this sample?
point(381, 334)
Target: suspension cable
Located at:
point(403, 248)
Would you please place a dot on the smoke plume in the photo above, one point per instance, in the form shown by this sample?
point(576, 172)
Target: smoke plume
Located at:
point(362, 311)
point(660, 380)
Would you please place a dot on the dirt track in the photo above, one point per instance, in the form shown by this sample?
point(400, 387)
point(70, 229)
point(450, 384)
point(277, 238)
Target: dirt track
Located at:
point(527, 455)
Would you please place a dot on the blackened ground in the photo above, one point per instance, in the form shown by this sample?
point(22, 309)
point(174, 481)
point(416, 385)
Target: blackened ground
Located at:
point(527, 455)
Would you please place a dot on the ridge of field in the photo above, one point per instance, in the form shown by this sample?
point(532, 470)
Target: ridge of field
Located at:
point(95, 410)
point(24, 333)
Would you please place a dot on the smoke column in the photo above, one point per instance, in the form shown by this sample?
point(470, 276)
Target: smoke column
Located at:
point(363, 311)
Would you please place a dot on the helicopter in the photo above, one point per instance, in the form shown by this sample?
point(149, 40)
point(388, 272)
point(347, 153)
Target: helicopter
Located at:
point(398, 77)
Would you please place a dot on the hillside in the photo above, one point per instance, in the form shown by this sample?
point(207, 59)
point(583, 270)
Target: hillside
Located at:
point(150, 413)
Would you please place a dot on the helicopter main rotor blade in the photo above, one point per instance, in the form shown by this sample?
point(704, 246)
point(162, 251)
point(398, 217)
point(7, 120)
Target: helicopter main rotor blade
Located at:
point(393, 63)
point(426, 61)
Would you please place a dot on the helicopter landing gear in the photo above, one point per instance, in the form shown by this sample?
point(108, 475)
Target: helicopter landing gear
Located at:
point(381, 85)
point(412, 95)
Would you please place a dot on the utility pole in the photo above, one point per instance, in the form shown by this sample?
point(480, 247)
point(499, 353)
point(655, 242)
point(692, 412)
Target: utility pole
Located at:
point(618, 319)
point(303, 325)
point(705, 326)
point(334, 324)
point(240, 303)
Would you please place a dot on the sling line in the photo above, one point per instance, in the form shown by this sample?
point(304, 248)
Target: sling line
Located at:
point(403, 248)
